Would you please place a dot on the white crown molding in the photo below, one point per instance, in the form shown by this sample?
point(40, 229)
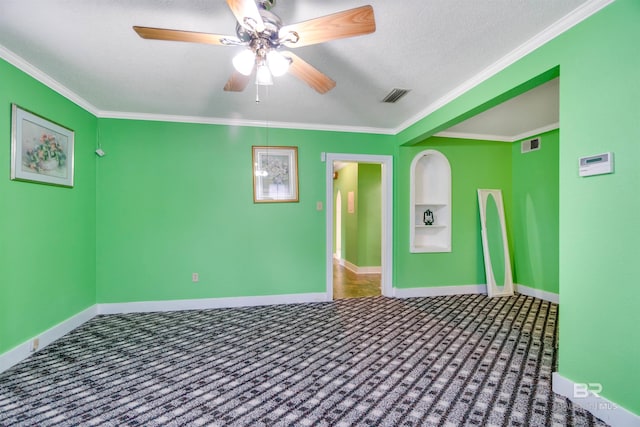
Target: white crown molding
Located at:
point(478, 136)
point(58, 87)
point(23, 351)
point(540, 39)
point(534, 132)
point(502, 138)
point(236, 122)
point(608, 411)
point(45, 79)
point(545, 36)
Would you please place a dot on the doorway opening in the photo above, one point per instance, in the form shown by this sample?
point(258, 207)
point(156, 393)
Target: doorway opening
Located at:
point(356, 264)
point(342, 204)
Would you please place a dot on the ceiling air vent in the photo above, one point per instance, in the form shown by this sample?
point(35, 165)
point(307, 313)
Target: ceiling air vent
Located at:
point(530, 145)
point(395, 95)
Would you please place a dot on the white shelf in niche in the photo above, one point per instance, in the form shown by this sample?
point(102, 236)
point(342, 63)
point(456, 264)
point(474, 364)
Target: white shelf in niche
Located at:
point(427, 248)
point(430, 189)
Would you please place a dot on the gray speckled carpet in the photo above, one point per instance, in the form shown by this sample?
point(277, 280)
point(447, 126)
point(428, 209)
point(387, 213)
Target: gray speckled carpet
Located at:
point(443, 361)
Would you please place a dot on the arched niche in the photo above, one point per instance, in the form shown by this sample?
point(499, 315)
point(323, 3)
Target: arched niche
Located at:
point(430, 203)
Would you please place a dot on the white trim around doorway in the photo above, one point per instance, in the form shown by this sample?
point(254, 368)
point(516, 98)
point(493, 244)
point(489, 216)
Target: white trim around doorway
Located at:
point(386, 244)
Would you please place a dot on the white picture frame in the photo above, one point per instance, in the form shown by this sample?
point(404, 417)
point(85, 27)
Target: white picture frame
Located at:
point(275, 174)
point(41, 150)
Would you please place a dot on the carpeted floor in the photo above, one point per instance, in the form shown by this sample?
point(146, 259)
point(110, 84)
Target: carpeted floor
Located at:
point(443, 361)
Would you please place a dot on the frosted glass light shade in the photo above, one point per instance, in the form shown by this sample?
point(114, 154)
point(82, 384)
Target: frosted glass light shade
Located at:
point(277, 63)
point(263, 76)
point(243, 62)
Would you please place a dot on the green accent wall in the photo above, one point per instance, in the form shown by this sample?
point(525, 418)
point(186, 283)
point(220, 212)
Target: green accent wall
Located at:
point(535, 218)
point(361, 229)
point(474, 164)
point(599, 279)
point(47, 233)
point(369, 215)
point(176, 198)
point(598, 62)
point(347, 182)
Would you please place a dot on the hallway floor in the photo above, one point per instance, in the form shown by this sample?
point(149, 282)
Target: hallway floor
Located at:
point(347, 284)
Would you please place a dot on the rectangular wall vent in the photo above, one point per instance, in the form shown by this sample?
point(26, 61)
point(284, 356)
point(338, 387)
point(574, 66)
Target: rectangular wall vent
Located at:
point(530, 145)
point(395, 95)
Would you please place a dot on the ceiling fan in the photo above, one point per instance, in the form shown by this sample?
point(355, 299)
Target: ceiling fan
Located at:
point(265, 37)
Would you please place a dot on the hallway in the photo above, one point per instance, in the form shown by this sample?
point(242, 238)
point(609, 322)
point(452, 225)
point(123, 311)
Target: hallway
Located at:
point(347, 284)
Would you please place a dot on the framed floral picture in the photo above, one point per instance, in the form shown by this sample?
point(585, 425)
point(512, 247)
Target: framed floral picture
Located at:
point(275, 174)
point(41, 151)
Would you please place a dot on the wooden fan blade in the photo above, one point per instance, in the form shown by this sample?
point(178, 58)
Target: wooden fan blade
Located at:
point(349, 23)
point(247, 14)
point(237, 82)
point(184, 36)
point(309, 74)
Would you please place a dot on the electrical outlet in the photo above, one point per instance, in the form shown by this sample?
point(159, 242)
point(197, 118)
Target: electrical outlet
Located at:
point(35, 344)
point(195, 277)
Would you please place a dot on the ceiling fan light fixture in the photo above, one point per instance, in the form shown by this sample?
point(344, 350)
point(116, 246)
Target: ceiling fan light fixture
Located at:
point(263, 75)
point(262, 32)
point(243, 62)
point(278, 63)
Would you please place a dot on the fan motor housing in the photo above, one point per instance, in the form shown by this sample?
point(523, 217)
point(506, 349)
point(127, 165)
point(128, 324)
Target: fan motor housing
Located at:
point(272, 25)
point(266, 4)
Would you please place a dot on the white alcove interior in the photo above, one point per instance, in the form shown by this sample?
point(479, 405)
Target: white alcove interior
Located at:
point(430, 190)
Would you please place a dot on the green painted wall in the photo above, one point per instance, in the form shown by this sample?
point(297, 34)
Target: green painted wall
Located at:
point(361, 229)
point(535, 218)
point(474, 164)
point(47, 233)
point(369, 215)
point(598, 61)
point(174, 199)
point(599, 289)
point(348, 182)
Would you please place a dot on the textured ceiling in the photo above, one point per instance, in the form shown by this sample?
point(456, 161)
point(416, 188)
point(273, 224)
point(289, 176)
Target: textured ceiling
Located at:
point(87, 50)
point(533, 112)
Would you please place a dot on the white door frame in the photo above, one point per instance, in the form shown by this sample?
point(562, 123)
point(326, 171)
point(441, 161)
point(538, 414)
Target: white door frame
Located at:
point(338, 224)
point(386, 243)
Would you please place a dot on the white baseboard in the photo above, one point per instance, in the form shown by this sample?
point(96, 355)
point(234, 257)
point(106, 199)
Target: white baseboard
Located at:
point(609, 412)
point(360, 270)
point(471, 289)
point(22, 351)
point(373, 269)
point(537, 293)
point(439, 291)
point(208, 303)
